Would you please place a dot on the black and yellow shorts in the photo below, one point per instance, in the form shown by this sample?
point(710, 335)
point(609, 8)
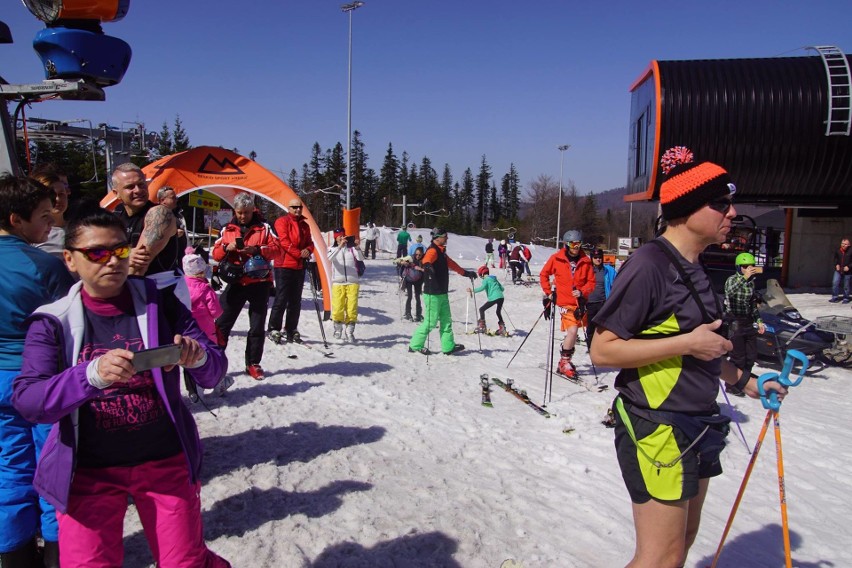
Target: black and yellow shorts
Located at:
point(664, 444)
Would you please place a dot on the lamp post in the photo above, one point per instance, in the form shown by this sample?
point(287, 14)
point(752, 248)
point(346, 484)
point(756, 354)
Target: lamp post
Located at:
point(351, 7)
point(561, 149)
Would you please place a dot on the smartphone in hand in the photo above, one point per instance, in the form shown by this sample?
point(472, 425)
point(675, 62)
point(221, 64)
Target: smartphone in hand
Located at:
point(156, 357)
point(240, 243)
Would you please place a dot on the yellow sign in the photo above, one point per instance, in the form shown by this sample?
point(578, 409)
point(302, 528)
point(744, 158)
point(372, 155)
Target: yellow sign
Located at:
point(205, 200)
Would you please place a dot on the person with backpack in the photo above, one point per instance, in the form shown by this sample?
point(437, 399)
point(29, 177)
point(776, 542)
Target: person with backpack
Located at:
point(344, 257)
point(516, 264)
point(494, 294)
point(573, 280)
point(247, 244)
point(661, 326)
point(526, 257)
point(412, 281)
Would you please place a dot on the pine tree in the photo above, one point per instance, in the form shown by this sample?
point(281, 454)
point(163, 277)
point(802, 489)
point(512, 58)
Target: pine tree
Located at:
point(590, 223)
point(164, 141)
point(465, 201)
point(388, 186)
point(180, 140)
point(483, 183)
point(495, 211)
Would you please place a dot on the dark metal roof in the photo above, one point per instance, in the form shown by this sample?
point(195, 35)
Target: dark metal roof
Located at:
point(764, 120)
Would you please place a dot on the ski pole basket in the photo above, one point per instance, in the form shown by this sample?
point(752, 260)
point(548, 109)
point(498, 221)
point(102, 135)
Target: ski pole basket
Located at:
point(834, 324)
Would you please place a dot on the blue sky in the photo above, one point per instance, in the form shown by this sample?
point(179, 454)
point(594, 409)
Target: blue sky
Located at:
point(451, 80)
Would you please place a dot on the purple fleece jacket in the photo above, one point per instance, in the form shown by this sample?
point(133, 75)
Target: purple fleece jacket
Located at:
point(51, 387)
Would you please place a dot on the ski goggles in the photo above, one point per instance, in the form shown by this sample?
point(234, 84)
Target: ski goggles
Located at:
point(101, 255)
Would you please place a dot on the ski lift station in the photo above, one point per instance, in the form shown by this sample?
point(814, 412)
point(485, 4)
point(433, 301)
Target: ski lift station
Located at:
point(780, 126)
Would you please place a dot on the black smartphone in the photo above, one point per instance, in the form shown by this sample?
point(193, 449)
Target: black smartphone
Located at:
point(350, 241)
point(156, 357)
point(240, 243)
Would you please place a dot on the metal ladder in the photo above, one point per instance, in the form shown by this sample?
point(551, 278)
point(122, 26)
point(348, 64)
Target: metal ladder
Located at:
point(839, 122)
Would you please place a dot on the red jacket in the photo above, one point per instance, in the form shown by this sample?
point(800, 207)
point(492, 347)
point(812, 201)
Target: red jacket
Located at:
point(583, 278)
point(258, 235)
point(293, 236)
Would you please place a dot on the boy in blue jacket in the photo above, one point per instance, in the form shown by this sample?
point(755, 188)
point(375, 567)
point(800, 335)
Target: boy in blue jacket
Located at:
point(494, 292)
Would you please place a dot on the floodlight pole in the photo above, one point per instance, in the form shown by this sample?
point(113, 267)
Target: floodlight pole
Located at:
point(561, 149)
point(351, 7)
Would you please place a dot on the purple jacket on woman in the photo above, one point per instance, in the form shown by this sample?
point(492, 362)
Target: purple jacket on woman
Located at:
point(51, 388)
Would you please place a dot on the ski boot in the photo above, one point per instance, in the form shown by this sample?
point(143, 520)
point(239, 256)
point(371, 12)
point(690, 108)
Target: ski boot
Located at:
point(480, 327)
point(501, 330)
point(566, 368)
point(458, 347)
point(338, 330)
point(349, 334)
point(407, 316)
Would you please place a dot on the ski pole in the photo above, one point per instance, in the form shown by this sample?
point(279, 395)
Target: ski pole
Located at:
point(741, 491)
point(525, 338)
point(733, 414)
point(475, 309)
point(773, 405)
point(548, 378)
point(316, 304)
point(466, 312)
point(508, 317)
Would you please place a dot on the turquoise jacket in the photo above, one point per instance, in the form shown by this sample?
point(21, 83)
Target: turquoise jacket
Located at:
point(493, 288)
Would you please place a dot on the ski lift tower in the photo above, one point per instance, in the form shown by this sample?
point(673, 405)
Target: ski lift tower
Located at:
point(79, 60)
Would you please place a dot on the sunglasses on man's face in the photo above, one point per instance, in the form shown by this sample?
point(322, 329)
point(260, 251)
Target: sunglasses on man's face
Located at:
point(722, 205)
point(295, 207)
point(101, 255)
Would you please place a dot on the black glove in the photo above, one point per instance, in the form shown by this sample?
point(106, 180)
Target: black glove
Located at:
point(547, 307)
point(215, 283)
point(470, 274)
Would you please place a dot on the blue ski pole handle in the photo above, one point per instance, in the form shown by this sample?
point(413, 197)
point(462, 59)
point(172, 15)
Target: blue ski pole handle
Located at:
point(770, 400)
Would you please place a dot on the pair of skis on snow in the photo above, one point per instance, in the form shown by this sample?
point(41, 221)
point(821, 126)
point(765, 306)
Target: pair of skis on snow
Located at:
point(509, 387)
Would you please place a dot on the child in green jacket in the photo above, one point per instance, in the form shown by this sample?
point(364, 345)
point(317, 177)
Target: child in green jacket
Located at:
point(494, 293)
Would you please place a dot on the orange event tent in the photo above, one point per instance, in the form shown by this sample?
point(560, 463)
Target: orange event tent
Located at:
point(226, 174)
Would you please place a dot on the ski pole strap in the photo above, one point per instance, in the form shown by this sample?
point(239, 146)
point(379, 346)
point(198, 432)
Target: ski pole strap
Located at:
point(707, 433)
point(770, 400)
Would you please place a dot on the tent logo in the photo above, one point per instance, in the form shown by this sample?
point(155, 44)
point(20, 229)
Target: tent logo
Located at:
point(223, 167)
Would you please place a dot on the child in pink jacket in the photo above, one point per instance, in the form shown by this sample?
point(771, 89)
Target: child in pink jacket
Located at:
point(205, 304)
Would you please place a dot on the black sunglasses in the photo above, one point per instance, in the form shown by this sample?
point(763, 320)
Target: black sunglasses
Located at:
point(722, 205)
point(295, 207)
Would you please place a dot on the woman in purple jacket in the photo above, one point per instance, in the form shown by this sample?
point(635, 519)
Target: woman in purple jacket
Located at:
point(117, 432)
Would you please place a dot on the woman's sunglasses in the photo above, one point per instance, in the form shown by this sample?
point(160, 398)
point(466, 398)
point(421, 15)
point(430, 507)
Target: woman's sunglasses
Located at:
point(101, 255)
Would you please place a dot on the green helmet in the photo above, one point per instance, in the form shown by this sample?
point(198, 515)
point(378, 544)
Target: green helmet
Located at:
point(744, 258)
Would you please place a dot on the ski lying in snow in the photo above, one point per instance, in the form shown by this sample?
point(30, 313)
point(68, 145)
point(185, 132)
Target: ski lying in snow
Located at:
point(521, 395)
point(311, 347)
point(486, 391)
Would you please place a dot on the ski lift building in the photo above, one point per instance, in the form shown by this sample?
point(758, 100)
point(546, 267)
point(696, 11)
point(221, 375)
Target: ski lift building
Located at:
point(780, 126)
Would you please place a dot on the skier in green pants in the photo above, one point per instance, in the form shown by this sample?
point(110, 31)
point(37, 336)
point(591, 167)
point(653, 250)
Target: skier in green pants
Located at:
point(436, 265)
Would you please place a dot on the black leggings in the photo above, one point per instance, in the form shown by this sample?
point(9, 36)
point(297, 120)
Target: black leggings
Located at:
point(499, 303)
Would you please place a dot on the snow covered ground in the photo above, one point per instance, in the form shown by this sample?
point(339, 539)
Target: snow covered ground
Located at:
point(377, 457)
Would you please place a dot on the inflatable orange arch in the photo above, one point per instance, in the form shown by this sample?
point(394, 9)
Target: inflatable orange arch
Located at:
point(226, 173)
